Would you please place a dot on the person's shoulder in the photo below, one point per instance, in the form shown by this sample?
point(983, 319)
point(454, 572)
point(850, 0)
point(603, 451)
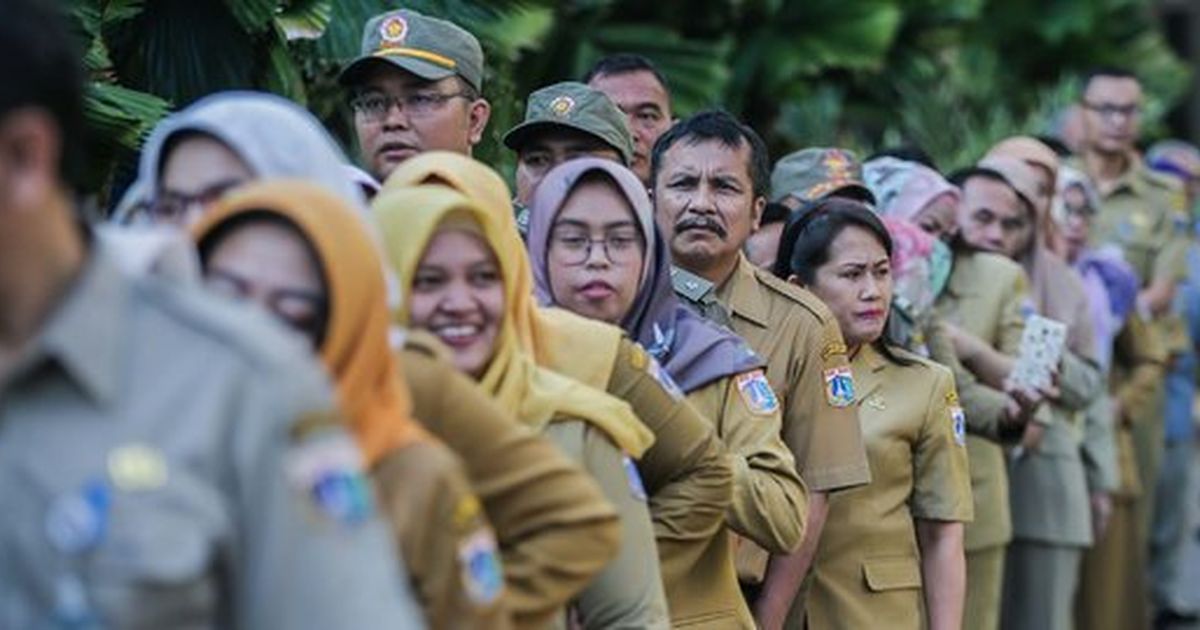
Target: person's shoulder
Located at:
point(1162, 182)
point(194, 322)
point(922, 368)
point(784, 291)
point(990, 268)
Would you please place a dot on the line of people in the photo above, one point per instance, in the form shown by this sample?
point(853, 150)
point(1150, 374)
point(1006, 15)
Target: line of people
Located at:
point(663, 384)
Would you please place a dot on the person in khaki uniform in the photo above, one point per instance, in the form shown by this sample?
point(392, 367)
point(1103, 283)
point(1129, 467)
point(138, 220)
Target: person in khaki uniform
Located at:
point(1048, 487)
point(461, 282)
point(336, 296)
point(150, 432)
point(626, 280)
point(687, 473)
point(893, 549)
point(710, 186)
point(1110, 582)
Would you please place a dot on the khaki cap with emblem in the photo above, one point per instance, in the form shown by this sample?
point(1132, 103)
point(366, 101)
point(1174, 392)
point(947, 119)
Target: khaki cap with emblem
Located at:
point(574, 106)
point(810, 174)
point(1015, 172)
point(430, 48)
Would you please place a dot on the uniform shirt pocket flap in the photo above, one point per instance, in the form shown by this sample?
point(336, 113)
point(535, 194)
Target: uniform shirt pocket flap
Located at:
point(885, 574)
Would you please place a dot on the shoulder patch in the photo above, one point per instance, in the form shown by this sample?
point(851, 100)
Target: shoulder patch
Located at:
point(481, 572)
point(466, 511)
point(757, 393)
point(660, 376)
point(636, 487)
point(959, 422)
point(839, 386)
point(328, 471)
point(833, 349)
point(638, 357)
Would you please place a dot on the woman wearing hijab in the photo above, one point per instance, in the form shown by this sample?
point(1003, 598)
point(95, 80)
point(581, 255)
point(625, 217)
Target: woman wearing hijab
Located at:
point(462, 282)
point(687, 472)
point(595, 251)
point(195, 156)
point(914, 192)
point(892, 551)
point(301, 253)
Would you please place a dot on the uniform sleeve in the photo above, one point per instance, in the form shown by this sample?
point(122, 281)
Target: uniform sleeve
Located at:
point(628, 593)
point(982, 405)
point(687, 474)
point(822, 430)
point(444, 536)
point(1172, 236)
point(1142, 359)
point(554, 527)
point(770, 501)
point(312, 551)
point(1012, 319)
point(941, 477)
point(1099, 448)
point(1079, 382)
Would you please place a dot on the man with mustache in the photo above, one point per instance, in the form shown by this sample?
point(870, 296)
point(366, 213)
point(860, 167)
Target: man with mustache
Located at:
point(710, 174)
point(416, 87)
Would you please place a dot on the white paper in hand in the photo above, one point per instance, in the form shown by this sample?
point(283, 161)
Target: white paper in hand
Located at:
point(1042, 346)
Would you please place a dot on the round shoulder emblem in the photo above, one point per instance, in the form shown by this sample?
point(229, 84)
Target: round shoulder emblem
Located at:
point(562, 105)
point(393, 30)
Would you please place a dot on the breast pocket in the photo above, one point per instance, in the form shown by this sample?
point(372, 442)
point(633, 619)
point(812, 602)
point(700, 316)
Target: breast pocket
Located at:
point(159, 565)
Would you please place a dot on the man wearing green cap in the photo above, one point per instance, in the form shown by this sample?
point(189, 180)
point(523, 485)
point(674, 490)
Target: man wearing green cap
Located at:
point(565, 121)
point(810, 175)
point(416, 87)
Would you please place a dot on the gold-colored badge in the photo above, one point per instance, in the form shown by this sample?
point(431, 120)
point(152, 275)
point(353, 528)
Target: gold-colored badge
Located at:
point(137, 467)
point(562, 105)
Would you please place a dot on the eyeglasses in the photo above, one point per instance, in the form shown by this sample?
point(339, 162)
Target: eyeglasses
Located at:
point(374, 106)
point(574, 248)
point(1110, 110)
point(172, 207)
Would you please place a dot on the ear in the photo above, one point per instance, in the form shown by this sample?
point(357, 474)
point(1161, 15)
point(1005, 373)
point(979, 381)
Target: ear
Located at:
point(794, 279)
point(29, 158)
point(478, 115)
point(760, 204)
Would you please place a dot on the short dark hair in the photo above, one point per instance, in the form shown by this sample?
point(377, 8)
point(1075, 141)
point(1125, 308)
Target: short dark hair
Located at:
point(1056, 144)
point(1111, 72)
point(40, 63)
point(625, 63)
point(715, 124)
point(906, 152)
point(774, 212)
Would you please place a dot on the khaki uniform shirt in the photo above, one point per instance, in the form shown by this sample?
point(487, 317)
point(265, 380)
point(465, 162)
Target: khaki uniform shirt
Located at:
point(628, 593)
point(166, 459)
point(807, 368)
point(867, 569)
point(1136, 381)
point(554, 527)
point(444, 537)
point(985, 296)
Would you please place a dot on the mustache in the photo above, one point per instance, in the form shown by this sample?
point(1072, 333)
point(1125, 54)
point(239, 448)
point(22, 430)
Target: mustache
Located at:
point(701, 223)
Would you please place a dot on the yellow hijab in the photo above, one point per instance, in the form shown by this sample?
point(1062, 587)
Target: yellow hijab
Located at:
point(558, 339)
point(355, 350)
point(408, 219)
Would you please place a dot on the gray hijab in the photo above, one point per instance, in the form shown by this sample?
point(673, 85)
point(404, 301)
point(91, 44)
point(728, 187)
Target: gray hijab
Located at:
point(274, 136)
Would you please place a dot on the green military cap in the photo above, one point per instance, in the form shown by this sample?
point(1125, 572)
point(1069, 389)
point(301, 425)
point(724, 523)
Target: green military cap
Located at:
point(574, 106)
point(810, 174)
point(430, 48)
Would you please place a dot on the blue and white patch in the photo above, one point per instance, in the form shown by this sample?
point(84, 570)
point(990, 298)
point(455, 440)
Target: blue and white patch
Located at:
point(636, 487)
point(757, 393)
point(77, 522)
point(328, 471)
point(656, 372)
point(482, 574)
point(959, 420)
point(839, 386)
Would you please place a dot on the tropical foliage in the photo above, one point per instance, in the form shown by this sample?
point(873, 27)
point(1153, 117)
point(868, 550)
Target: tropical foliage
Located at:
point(949, 75)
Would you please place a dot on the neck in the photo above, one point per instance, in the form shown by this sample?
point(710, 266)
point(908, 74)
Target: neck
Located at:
point(40, 267)
point(1105, 167)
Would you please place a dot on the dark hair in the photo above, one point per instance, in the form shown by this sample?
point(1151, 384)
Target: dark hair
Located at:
point(1056, 144)
point(807, 242)
point(775, 212)
point(625, 63)
point(40, 63)
point(1111, 72)
point(961, 177)
point(718, 125)
point(906, 152)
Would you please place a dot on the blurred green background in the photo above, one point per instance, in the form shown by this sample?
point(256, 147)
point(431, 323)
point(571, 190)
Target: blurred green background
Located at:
point(951, 76)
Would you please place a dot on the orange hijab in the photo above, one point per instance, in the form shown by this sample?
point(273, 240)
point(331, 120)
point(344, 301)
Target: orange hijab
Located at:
point(356, 349)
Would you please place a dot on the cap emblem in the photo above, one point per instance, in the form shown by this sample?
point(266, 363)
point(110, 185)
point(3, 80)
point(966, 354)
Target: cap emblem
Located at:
point(393, 30)
point(562, 105)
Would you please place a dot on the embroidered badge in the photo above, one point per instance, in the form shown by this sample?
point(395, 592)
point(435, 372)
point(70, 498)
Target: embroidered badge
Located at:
point(466, 511)
point(757, 393)
point(839, 386)
point(876, 402)
point(562, 106)
point(833, 349)
point(137, 467)
point(328, 470)
point(638, 358)
point(393, 31)
point(959, 419)
point(77, 522)
point(482, 575)
point(656, 372)
point(635, 479)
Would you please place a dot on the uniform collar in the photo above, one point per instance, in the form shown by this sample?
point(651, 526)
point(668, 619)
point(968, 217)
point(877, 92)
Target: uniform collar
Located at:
point(86, 333)
point(1132, 180)
point(743, 293)
point(960, 283)
point(868, 367)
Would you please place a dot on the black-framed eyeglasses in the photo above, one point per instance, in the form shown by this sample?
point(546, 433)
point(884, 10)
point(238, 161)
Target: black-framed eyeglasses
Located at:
point(573, 247)
point(374, 106)
point(173, 207)
point(1112, 110)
